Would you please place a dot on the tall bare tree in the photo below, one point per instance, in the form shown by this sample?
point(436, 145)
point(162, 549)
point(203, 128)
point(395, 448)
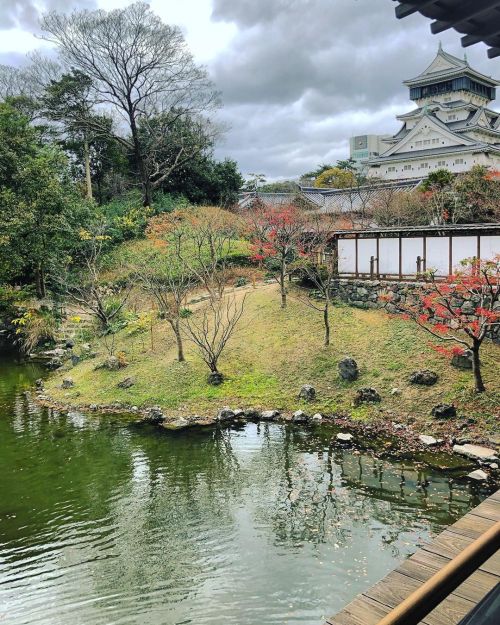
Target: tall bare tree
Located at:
point(142, 69)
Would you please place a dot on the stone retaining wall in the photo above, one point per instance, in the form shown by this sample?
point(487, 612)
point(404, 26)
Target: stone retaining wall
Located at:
point(366, 294)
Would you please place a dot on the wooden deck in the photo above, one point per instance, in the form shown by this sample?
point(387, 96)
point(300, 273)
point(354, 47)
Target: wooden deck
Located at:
point(371, 606)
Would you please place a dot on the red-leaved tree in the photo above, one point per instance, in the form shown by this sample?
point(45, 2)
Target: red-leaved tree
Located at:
point(463, 309)
point(275, 235)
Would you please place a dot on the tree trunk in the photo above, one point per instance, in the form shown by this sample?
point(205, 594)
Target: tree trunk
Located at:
point(283, 285)
point(476, 368)
point(178, 338)
point(86, 158)
point(40, 281)
point(139, 161)
point(326, 320)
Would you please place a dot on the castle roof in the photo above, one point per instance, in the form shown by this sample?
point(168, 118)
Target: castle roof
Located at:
point(446, 66)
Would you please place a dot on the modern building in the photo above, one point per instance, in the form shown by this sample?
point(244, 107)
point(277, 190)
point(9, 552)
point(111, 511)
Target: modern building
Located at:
point(452, 127)
point(365, 147)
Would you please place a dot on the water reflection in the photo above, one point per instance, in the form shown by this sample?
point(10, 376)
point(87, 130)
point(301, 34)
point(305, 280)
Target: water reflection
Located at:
point(101, 523)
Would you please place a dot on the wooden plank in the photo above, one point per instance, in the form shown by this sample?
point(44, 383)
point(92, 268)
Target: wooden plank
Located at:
point(395, 587)
point(475, 587)
point(371, 606)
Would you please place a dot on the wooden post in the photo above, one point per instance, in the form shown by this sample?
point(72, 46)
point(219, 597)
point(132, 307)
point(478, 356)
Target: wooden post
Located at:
point(356, 254)
point(424, 252)
point(400, 257)
point(450, 255)
point(430, 594)
point(372, 266)
point(478, 253)
point(378, 255)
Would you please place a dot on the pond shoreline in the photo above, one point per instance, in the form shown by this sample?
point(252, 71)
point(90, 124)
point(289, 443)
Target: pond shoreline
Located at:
point(382, 437)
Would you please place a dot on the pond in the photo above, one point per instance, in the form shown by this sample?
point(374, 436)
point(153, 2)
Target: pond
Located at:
point(101, 523)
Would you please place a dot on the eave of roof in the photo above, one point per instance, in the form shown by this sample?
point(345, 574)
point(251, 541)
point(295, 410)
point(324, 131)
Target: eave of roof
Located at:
point(417, 154)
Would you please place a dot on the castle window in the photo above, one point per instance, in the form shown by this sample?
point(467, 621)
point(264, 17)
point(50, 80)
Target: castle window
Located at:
point(434, 141)
point(441, 163)
point(427, 141)
point(391, 169)
point(407, 167)
point(451, 117)
point(418, 143)
point(424, 165)
point(459, 161)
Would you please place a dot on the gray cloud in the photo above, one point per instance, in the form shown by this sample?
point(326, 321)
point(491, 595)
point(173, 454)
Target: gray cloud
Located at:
point(301, 76)
point(25, 14)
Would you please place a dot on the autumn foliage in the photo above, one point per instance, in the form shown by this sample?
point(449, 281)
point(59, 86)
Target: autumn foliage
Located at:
point(460, 311)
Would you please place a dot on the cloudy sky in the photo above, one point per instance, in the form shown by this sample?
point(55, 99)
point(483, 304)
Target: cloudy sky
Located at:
point(298, 77)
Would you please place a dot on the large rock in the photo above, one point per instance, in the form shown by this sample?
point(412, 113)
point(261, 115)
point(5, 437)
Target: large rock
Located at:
point(429, 441)
point(126, 383)
point(444, 411)
point(348, 369)
point(462, 361)
point(478, 475)
point(476, 452)
point(226, 414)
point(307, 392)
point(112, 363)
point(54, 363)
point(425, 377)
point(67, 383)
point(344, 437)
point(269, 415)
point(366, 395)
point(154, 416)
point(300, 417)
point(177, 424)
point(215, 378)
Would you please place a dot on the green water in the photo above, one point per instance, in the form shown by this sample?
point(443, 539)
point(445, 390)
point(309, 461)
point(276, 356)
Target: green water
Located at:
point(105, 524)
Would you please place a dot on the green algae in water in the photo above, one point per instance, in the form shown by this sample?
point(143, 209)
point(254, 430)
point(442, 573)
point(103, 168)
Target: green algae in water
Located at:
point(268, 524)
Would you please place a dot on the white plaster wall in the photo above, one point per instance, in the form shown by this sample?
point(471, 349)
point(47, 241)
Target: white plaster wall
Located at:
point(490, 247)
point(410, 249)
point(388, 256)
point(462, 248)
point(366, 249)
point(437, 255)
point(347, 256)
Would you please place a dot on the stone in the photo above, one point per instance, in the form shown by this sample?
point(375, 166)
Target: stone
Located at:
point(395, 391)
point(424, 377)
point(251, 413)
point(348, 369)
point(67, 383)
point(476, 452)
point(444, 411)
point(494, 465)
point(154, 416)
point(75, 359)
point(366, 395)
point(225, 414)
point(177, 424)
point(269, 415)
point(344, 437)
point(300, 417)
point(112, 363)
point(478, 475)
point(430, 441)
point(215, 378)
point(239, 414)
point(69, 344)
point(39, 384)
point(317, 418)
point(307, 392)
point(93, 407)
point(126, 383)
point(462, 361)
point(54, 363)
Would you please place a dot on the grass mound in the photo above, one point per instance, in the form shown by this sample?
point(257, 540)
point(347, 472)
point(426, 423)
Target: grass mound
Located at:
point(274, 352)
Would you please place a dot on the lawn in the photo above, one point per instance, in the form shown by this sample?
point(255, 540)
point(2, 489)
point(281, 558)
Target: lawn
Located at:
point(274, 352)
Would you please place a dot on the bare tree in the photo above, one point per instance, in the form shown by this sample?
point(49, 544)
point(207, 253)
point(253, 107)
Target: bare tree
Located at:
point(212, 330)
point(168, 281)
point(142, 69)
point(318, 264)
point(90, 291)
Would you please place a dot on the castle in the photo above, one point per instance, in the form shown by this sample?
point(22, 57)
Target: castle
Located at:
point(451, 128)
